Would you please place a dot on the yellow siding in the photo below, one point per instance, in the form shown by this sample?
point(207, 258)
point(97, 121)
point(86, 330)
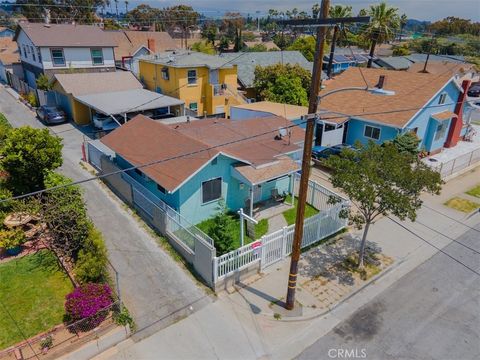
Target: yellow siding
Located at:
point(200, 93)
point(81, 113)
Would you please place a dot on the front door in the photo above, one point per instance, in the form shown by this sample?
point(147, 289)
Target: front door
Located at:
point(257, 193)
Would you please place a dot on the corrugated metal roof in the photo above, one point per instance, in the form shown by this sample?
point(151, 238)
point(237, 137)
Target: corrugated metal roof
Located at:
point(119, 102)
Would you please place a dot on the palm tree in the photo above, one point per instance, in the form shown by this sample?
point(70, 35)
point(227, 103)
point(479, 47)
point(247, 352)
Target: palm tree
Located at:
point(403, 22)
point(384, 20)
point(126, 7)
point(337, 11)
point(116, 7)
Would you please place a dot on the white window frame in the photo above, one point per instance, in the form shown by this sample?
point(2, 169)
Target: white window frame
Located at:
point(93, 57)
point(442, 99)
point(196, 107)
point(373, 127)
point(188, 77)
point(63, 56)
point(165, 73)
point(221, 190)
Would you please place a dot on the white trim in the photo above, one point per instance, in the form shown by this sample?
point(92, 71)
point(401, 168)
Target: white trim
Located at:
point(376, 122)
point(140, 48)
point(221, 189)
point(203, 166)
point(431, 99)
point(373, 127)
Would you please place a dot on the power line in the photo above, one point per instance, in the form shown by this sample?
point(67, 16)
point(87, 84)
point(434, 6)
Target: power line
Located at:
point(432, 245)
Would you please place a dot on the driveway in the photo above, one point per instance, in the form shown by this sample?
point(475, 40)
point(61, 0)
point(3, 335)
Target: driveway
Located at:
point(155, 289)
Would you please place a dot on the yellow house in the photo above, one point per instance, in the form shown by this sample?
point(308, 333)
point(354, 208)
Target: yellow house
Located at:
point(206, 83)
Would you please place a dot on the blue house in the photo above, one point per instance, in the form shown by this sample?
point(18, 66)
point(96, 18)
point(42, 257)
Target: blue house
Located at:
point(200, 163)
point(429, 105)
point(340, 63)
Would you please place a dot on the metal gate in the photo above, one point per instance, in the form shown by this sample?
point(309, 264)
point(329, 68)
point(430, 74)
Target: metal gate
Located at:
point(94, 156)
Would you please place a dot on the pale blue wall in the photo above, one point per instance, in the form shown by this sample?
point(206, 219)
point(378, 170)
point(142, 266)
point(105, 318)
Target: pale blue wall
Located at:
point(423, 121)
point(188, 199)
point(356, 129)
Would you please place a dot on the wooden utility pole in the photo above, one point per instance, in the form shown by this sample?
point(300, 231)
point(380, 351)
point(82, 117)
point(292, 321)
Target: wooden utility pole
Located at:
point(307, 156)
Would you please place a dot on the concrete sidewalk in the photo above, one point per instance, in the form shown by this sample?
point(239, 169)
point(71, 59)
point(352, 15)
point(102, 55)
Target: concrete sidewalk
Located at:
point(241, 325)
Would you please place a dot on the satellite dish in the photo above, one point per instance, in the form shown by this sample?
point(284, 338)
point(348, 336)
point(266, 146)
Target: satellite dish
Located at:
point(283, 132)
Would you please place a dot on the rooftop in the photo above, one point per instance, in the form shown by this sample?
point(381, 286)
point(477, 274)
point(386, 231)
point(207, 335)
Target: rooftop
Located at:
point(66, 35)
point(79, 84)
point(394, 62)
point(412, 91)
point(8, 51)
point(247, 62)
point(129, 42)
point(121, 102)
point(184, 58)
point(291, 112)
point(187, 147)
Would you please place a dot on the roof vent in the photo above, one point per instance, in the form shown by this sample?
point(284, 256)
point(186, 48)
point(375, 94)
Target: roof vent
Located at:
point(381, 81)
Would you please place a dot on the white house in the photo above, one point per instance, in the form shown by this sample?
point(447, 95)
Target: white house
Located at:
point(58, 48)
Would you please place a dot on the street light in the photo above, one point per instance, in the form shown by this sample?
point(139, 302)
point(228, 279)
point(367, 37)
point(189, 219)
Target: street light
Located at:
point(302, 193)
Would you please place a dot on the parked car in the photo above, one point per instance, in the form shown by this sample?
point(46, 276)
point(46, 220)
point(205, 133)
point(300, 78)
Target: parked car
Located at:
point(51, 115)
point(474, 89)
point(104, 122)
point(324, 152)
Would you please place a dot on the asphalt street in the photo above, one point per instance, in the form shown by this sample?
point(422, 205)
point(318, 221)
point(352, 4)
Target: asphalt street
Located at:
point(155, 289)
point(432, 312)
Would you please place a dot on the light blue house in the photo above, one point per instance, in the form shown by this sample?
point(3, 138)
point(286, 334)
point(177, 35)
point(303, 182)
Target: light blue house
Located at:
point(200, 163)
point(429, 105)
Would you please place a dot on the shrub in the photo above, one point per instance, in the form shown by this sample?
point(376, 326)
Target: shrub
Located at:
point(124, 318)
point(46, 342)
point(10, 239)
point(92, 258)
point(32, 99)
point(220, 231)
point(88, 301)
point(43, 82)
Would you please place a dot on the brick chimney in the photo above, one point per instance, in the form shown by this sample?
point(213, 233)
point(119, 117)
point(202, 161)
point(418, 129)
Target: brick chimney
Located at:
point(457, 122)
point(151, 44)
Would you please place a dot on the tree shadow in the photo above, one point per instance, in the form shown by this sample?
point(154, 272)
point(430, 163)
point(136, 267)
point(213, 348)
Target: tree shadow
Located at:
point(327, 261)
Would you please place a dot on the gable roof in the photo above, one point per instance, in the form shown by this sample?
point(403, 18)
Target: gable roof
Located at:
point(248, 61)
point(93, 83)
point(9, 52)
point(186, 148)
point(186, 58)
point(65, 35)
point(412, 91)
point(439, 67)
point(394, 62)
point(129, 42)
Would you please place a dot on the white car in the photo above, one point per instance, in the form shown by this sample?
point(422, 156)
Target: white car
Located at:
point(104, 122)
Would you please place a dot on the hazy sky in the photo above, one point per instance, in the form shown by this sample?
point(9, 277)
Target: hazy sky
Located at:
point(415, 9)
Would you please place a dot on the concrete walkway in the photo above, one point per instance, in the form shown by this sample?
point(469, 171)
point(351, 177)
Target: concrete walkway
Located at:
point(276, 222)
point(155, 289)
point(241, 325)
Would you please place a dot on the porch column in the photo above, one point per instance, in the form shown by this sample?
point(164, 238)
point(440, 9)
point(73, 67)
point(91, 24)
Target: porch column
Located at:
point(251, 200)
point(456, 123)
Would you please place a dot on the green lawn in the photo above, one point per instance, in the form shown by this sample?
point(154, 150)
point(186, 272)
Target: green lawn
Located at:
point(33, 289)
point(463, 205)
point(291, 214)
point(474, 191)
point(260, 229)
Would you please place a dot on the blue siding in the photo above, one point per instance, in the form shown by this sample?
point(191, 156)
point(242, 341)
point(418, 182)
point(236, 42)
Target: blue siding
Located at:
point(188, 199)
point(356, 130)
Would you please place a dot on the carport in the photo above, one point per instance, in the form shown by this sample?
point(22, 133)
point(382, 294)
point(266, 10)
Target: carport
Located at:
point(121, 104)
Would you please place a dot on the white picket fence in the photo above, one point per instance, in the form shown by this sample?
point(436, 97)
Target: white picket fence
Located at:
point(276, 246)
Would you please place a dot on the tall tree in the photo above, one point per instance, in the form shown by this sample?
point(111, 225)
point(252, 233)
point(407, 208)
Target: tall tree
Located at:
point(232, 26)
point(403, 21)
point(306, 45)
point(143, 15)
point(379, 181)
point(116, 7)
point(82, 11)
point(337, 11)
point(126, 7)
point(209, 32)
point(182, 17)
point(383, 24)
point(26, 155)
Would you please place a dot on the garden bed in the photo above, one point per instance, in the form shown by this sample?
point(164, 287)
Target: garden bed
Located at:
point(33, 289)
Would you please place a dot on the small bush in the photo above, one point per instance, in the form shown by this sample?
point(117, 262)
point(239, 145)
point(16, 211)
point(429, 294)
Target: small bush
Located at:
point(124, 318)
point(32, 99)
point(277, 316)
point(87, 301)
point(92, 258)
point(46, 342)
point(10, 239)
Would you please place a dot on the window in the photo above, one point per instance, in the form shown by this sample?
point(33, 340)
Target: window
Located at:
point(57, 57)
point(441, 129)
point(33, 53)
point(161, 189)
point(193, 106)
point(442, 99)
point(372, 132)
point(165, 74)
point(329, 127)
point(211, 190)
point(192, 77)
point(97, 56)
point(39, 55)
point(24, 51)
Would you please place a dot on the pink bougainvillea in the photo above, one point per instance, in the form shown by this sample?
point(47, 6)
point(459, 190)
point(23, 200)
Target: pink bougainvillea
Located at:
point(88, 301)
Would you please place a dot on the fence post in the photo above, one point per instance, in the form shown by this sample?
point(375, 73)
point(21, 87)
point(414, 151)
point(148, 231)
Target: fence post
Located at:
point(471, 157)
point(284, 242)
point(215, 270)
